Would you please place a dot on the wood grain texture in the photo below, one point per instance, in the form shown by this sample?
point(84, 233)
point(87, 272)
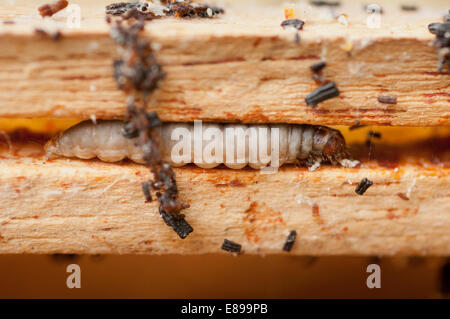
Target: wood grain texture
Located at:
point(241, 66)
point(90, 207)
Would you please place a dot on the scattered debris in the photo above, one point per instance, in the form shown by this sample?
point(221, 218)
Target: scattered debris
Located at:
point(349, 163)
point(177, 222)
point(187, 9)
point(49, 9)
point(343, 19)
point(325, 92)
point(373, 8)
point(386, 99)
point(294, 23)
point(231, 246)
point(290, 240)
point(317, 69)
point(146, 191)
point(288, 13)
point(357, 125)
point(158, 9)
point(363, 186)
point(137, 72)
point(373, 134)
point(408, 7)
point(322, 3)
point(403, 196)
point(442, 42)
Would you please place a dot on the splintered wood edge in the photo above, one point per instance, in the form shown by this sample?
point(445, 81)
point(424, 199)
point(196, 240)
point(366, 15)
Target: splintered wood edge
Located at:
point(223, 70)
point(90, 207)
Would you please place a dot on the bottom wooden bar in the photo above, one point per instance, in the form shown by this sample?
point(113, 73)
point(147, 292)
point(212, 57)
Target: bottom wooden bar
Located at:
point(90, 207)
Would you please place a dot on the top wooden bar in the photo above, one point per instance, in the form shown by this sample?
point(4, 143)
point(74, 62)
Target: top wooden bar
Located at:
point(241, 66)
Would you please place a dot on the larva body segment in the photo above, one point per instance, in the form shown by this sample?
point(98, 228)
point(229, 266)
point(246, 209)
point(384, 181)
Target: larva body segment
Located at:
point(235, 145)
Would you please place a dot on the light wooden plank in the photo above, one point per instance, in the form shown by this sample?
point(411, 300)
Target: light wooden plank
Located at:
point(90, 207)
point(241, 66)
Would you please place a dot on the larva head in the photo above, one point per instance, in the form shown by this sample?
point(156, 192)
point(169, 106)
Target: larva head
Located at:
point(51, 147)
point(328, 144)
point(334, 148)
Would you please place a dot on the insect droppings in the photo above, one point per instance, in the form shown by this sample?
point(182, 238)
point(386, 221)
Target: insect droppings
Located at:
point(294, 23)
point(290, 240)
point(317, 67)
point(146, 191)
point(357, 125)
point(373, 8)
point(408, 7)
point(387, 99)
point(49, 9)
point(318, 75)
point(325, 92)
point(189, 9)
point(403, 196)
point(373, 134)
point(177, 222)
point(363, 186)
point(158, 9)
point(441, 43)
point(137, 72)
point(322, 3)
point(231, 246)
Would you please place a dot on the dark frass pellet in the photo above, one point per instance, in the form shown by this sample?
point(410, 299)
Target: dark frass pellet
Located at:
point(137, 70)
point(231, 246)
point(363, 186)
point(357, 125)
point(295, 23)
point(442, 42)
point(290, 240)
point(146, 191)
point(440, 29)
point(130, 131)
point(322, 3)
point(373, 134)
point(177, 222)
point(386, 99)
point(373, 8)
point(317, 67)
point(408, 7)
point(325, 92)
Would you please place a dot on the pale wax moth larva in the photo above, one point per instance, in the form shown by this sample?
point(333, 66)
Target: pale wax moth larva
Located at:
point(208, 145)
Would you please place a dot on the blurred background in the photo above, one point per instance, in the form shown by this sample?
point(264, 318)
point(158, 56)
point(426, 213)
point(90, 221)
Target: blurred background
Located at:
point(221, 276)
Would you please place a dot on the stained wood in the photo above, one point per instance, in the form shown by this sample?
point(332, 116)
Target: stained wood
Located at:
point(90, 207)
point(241, 66)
